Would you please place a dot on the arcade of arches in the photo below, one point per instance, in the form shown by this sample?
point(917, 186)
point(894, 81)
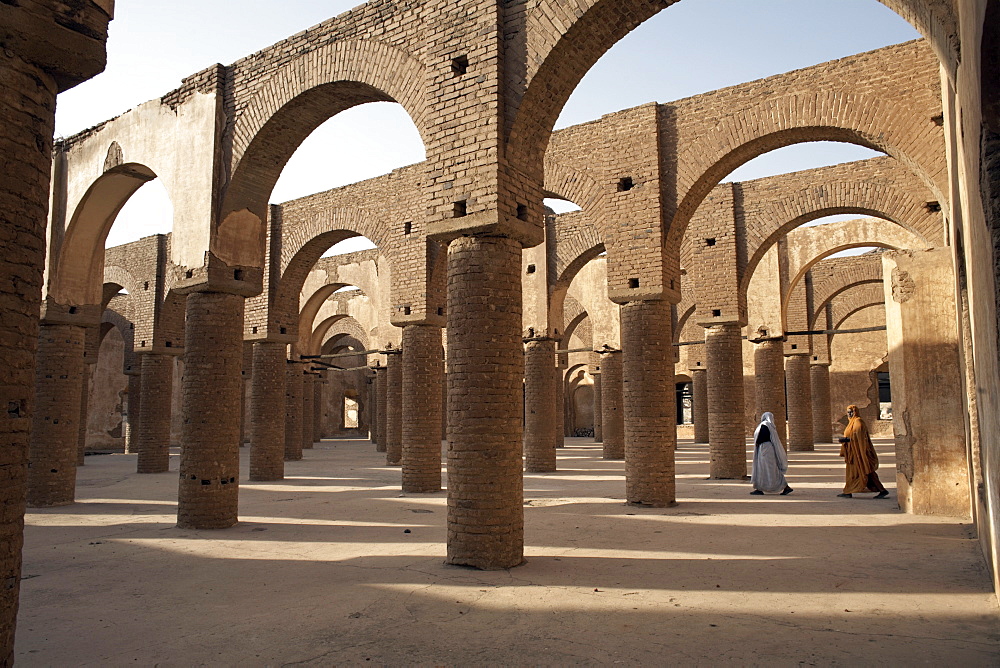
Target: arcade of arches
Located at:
point(670, 305)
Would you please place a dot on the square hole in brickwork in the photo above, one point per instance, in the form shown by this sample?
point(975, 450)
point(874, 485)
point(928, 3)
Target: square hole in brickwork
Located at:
point(938, 120)
point(633, 283)
point(440, 311)
point(253, 329)
point(407, 227)
point(188, 274)
point(237, 274)
point(72, 310)
point(145, 286)
point(932, 207)
point(710, 241)
point(460, 65)
point(168, 344)
point(531, 268)
point(625, 184)
point(522, 212)
point(795, 346)
point(716, 312)
point(461, 209)
point(815, 358)
point(142, 344)
point(406, 310)
point(284, 330)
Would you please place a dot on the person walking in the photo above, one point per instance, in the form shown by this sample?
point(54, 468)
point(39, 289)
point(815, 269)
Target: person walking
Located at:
point(769, 459)
point(860, 458)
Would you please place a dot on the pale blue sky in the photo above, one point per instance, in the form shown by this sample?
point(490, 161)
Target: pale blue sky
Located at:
point(692, 47)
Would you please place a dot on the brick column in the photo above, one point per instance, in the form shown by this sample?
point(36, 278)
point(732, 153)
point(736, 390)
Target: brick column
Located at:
point(381, 407)
point(699, 403)
point(612, 409)
point(559, 402)
point(541, 417)
point(56, 420)
point(822, 411)
point(800, 427)
point(598, 423)
point(306, 429)
point(293, 411)
point(485, 368)
point(423, 376)
point(81, 441)
point(769, 375)
point(133, 407)
point(245, 381)
point(210, 455)
point(394, 408)
point(726, 438)
point(319, 405)
point(372, 409)
point(153, 434)
point(27, 106)
point(267, 403)
point(649, 401)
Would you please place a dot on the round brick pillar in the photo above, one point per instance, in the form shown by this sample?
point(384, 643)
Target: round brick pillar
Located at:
point(699, 404)
point(541, 417)
point(822, 411)
point(423, 376)
point(307, 411)
point(485, 371)
point(81, 441)
point(381, 408)
point(769, 379)
point(726, 437)
point(55, 425)
point(153, 437)
point(394, 408)
point(371, 409)
point(598, 410)
point(267, 401)
point(293, 411)
point(559, 387)
point(210, 449)
point(612, 408)
point(133, 406)
point(27, 97)
point(800, 427)
point(319, 406)
point(650, 403)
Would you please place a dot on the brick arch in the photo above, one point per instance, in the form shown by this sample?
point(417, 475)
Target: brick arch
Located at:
point(854, 299)
point(685, 309)
point(565, 40)
point(120, 276)
point(294, 101)
point(345, 326)
point(114, 319)
point(304, 244)
point(307, 315)
point(578, 322)
point(77, 275)
point(573, 185)
point(577, 243)
point(842, 278)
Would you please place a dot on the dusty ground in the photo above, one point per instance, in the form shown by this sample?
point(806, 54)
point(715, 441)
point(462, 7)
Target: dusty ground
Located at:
point(321, 571)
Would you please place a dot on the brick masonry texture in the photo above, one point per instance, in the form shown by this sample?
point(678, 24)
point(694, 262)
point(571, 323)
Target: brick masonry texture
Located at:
point(769, 383)
point(307, 411)
point(598, 409)
point(267, 404)
point(81, 433)
point(485, 370)
point(153, 435)
point(423, 378)
point(727, 447)
point(650, 418)
point(540, 419)
point(612, 405)
point(699, 404)
point(293, 411)
point(382, 408)
point(800, 427)
point(210, 459)
point(819, 381)
point(55, 425)
point(394, 409)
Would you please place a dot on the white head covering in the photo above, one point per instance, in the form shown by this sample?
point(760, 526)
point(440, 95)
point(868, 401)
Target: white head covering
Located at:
point(767, 420)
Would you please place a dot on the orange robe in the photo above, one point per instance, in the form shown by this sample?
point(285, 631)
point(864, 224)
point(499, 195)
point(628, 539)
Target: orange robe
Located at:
point(859, 455)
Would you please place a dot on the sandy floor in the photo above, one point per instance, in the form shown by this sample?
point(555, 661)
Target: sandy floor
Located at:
point(321, 571)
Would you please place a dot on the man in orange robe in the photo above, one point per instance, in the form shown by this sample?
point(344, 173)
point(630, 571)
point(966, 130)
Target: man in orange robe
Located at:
point(859, 454)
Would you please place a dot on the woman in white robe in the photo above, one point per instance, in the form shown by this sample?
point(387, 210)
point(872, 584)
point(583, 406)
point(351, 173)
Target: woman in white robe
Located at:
point(769, 459)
